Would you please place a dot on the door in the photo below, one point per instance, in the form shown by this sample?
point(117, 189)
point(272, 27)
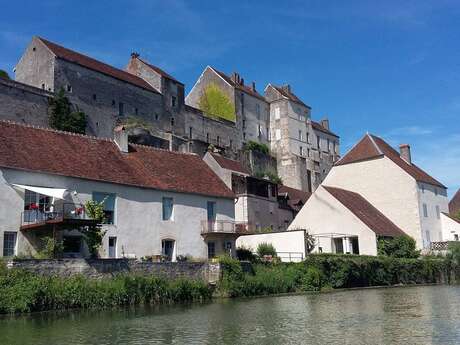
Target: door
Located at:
point(112, 247)
point(167, 247)
point(338, 244)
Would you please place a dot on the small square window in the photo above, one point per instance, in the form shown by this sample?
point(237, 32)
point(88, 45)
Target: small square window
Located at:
point(69, 88)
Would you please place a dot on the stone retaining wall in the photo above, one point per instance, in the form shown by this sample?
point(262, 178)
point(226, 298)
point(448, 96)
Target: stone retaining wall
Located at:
point(100, 268)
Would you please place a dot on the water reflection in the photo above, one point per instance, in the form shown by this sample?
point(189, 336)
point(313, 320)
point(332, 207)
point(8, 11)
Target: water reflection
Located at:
point(420, 315)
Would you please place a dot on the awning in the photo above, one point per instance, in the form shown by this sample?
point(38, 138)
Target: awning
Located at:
point(57, 193)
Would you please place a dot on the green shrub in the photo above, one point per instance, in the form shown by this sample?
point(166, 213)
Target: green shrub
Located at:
point(62, 117)
point(264, 249)
point(51, 248)
point(4, 74)
point(245, 254)
point(398, 247)
point(255, 146)
point(22, 291)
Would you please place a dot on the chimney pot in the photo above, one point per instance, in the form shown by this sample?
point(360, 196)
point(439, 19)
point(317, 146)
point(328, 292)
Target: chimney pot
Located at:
point(134, 55)
point(286, 88)
point(404, 150)
point(254, 86)
point(120, 136)
point(242, 81)
point(325, 123)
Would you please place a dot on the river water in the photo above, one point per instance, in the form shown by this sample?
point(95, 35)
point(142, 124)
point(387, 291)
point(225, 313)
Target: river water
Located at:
point(410, 315)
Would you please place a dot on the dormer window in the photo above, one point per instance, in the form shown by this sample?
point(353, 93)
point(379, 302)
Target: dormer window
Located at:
point(69, 88)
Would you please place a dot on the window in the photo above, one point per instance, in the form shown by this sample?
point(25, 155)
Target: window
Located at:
point(156, 117)
point(108, 201)
point(318, 143)
point(94, 97)
point(211, 250)
point(277, 113)
point(436, 191)
point(423, 188)
point(268, 133)
point(438, 212)
point(308, 138)
point(9, 243)
point(43, 86)
point(190, 132)
point(121, 110)
point(211, 209)
point(136, 111)
point(278, 134)
point(69, 88)
point(328, 145)
point(259, 131)
point(36, 206)
point(173, 101)
point(218, 141)
point(427, 238)
point(456, 237)
point(301, 150)
point(207, 137)
point(244, 124)
point(244, 135)
point(167, 208)
point(425, 210)
point(172, 121)
point(300, 135)
point(113, 102)
point(231, 143)
point(112, 247)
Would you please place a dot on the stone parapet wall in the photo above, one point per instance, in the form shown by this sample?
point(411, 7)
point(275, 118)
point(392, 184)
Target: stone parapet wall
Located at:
point(101, 268)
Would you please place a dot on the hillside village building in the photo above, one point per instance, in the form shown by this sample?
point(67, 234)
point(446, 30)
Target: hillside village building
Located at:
point(261, 204)
point(156, 202)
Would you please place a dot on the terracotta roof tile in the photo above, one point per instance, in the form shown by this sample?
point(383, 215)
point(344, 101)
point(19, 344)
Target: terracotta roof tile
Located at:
point(289, 95)
point(371, 147)
point(48, 151)
point(244, 88)
point(230, 164)
point(454, 204)
point(95, 65)
point(317, 126)
point(297, 197)
point(368, 214)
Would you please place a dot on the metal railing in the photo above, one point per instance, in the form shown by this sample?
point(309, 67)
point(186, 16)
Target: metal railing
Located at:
point(226, 226)
point(290, 256)
point(56, 212)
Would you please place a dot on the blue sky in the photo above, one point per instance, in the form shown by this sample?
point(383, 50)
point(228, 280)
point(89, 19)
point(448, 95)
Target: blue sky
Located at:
point(388, 67)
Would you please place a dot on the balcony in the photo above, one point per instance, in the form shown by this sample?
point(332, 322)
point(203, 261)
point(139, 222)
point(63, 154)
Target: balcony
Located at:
point(60, 214)
point(226, 227)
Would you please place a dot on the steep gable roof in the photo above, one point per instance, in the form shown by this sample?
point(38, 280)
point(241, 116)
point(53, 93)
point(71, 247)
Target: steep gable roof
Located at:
point(454, 204)
point(244, 88)
point(35, 149)
point(319, 127)
point(230, 164)
point(95, 65)
point(372, 147)
point(289, 95)
point(297, 197)
point(160, 71)
point(366, 212)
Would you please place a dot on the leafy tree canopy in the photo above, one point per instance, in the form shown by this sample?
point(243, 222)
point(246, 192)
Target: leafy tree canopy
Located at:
point(398, 247)
point(215, 103)
point(62, 117)
point(4, 74)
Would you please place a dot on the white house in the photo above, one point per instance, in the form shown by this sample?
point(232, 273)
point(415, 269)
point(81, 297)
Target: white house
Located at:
point(390, 181)
point(156, 202)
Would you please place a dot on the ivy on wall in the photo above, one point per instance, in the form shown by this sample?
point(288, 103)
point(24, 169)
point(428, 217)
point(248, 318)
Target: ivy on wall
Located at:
point(61, 116)
point(215, 103)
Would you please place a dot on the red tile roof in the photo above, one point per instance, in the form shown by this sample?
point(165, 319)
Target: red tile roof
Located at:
point(54, 152)
point(95, 65)
point(368, 214)
point(230, 164)
point(454, 204)
point(244, 88)
point(289, 95)
point(371, 147)
point(451, 216)
point(160, 71)
point(317, 126)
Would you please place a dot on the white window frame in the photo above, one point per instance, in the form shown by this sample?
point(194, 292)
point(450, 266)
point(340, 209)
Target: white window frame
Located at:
point(277, 113)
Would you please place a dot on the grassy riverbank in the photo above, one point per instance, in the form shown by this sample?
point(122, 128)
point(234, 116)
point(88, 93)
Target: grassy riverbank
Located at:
point(22, 292)
point(325, 272)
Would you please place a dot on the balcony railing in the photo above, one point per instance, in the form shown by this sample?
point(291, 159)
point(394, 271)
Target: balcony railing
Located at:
point(54, 213)
point(226, 227)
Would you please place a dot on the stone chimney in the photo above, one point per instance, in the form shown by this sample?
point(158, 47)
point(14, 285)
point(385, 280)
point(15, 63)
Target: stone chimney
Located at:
point(325, 123)
point(235, 77)
point(120, 135)
point(286, 88)
point(404, 150)
point(254, 86)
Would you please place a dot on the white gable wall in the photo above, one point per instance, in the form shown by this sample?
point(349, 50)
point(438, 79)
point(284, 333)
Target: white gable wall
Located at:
point(450, 228)
point(387, 187)
point(323, 215)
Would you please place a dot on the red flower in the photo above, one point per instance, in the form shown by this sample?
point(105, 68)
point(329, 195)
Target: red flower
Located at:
point(33, 206)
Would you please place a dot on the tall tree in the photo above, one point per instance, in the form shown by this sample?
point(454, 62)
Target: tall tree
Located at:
point(4, 74)
point(62, 117)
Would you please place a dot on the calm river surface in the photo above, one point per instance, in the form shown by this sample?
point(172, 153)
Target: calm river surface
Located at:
point(415, 315)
